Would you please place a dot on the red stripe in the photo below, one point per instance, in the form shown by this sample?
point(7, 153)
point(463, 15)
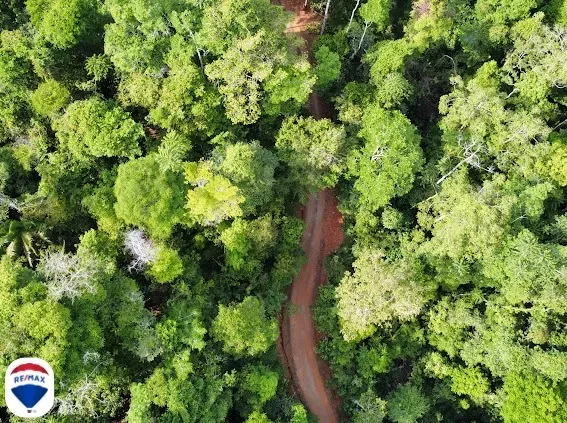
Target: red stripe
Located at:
point(29, 366)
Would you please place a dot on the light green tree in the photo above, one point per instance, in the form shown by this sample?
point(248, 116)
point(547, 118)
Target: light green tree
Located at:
point(328, 67)
point(50, 97)
point(213, 198)
point(243, 328)
point(378, 293)
point(65, 23)
point(531, 398)
point(251, 168)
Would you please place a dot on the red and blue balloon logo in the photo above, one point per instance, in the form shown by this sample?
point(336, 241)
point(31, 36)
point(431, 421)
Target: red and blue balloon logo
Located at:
point(29, 387)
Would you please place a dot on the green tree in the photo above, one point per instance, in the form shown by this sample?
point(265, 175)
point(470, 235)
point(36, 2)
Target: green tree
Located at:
point(19, 237)
point(247, 243)
point(147, 197)
point(257, 417)
point(390, 159)
point(243, 328)
point(370, 409)
point(531, 398)
point(64, 23)
point(407, 404)
point(259, 385)
point(184, 100)
point(314, 150)
point(39, 326)
point(167, 265)
point(50, 97)
point(97, 128)
point(328, 67)
point(247, 67)
point(299, 414)
point(251, 168)
point(139, 37)
point(377, 12)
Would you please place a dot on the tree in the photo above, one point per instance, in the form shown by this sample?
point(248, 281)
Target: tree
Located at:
point(259, 385)
point(139, 37)
point(393, 90)
point(65, 23)
point(247, 67)
point(313, 149)
point(498, 16)
point(96, 128)
point(50, 97)
point(407, 404)
point(243, 328)
point(142, 249)
point(172, 398)
point(147, 197)
point(257, 417)
point(531, 398)
point(16, 78)
point(185, 101)
point(247, 243)
point(534, 71)
point(527, 272)
point(299, 414)
point(213, 198)
point(378, 293)
point(99, 202)
point(167, 265)
point(69, 275)
point(172, 150)
point(328, 67)
point(370, 409)
point(390, 159)
point(126, 316)
point(377, 12)
point(464, 225)
point(227, 21)
point(19, 237)
point(251, 168)
point(37, 325)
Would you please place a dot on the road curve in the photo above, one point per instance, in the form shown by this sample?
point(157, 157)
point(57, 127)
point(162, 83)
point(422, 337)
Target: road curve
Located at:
point(322, 235)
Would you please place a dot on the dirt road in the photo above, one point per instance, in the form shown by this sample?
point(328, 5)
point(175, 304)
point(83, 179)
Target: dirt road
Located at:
point(322, 235)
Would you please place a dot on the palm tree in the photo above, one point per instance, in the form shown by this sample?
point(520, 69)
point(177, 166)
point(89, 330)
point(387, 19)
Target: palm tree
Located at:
point(18, 237)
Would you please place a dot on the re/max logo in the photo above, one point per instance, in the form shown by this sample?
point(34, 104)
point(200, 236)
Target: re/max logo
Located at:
point(29, 378)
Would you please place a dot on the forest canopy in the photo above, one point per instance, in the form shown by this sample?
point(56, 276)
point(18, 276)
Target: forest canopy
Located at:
point(154, 155)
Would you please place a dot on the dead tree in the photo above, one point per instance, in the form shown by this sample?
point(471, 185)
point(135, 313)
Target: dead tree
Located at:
point(325, 16)
point(352, 14)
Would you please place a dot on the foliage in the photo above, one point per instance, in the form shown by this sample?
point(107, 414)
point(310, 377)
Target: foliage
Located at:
point(213, 198)
point(49, 97)
point(243, 328)
point(407, 404)
point(96, 128)
point(154, 157)
point(377, 293)
point(313, 149)
point(147, 197)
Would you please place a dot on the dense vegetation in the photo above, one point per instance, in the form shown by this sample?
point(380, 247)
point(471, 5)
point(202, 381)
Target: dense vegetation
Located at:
point(153, 153)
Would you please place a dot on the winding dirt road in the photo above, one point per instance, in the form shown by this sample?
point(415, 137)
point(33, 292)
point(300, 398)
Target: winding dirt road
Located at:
point(322, 235)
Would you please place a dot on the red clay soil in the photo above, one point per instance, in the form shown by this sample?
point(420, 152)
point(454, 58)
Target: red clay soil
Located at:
point(322, 235)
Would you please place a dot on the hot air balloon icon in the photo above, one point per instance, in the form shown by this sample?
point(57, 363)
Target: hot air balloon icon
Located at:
point(29, 387)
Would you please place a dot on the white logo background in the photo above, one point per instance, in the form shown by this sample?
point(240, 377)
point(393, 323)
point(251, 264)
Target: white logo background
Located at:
point(45, 404)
